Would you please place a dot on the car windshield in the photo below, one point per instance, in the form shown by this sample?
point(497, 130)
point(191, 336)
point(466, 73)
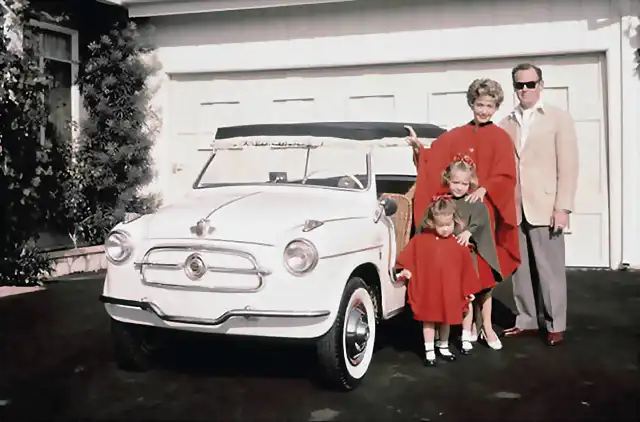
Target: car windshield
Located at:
point(339, 165)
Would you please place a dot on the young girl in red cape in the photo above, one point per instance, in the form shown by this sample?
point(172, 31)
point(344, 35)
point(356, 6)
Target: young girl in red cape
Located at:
point(442, 278)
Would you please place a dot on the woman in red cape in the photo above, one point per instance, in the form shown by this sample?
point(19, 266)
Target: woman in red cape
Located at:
point(493, 152)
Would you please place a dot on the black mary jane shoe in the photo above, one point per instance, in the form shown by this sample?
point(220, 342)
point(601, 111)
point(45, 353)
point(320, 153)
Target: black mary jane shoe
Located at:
point(463, 350)
point(429, 362)
point(450, 357)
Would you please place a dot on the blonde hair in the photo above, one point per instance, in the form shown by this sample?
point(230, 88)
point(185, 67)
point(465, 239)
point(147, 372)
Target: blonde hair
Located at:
point(488, 87)
point(442, 206)
point(462, 163)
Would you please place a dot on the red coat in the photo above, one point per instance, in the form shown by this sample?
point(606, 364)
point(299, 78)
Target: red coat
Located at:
point(493, 152)
point(442, 276)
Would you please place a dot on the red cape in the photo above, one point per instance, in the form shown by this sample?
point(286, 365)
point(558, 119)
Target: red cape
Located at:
point(493, 152)
point(442, 276)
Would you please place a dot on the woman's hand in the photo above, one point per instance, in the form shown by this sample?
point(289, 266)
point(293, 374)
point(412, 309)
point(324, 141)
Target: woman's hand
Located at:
point(477, 195)
point(463, 238)
point(471, 298)
point(404, 275)
point(412, 139)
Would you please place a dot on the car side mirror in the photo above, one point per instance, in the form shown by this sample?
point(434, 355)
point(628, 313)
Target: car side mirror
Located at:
point(389, 206)
point(386, 206)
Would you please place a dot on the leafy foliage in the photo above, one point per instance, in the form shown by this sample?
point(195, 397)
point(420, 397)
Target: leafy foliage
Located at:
point(44, 181)
point(25, 155)
point(112, 160)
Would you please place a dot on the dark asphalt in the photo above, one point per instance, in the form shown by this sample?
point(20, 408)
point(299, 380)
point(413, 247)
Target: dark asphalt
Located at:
point(55, 363)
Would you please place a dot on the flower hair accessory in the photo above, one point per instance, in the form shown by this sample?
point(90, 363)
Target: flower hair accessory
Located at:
point(465, 159)
point(439, 197)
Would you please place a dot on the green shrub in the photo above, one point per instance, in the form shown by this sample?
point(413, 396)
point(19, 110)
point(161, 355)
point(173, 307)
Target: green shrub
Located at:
point(112, 156)
point(25, 155)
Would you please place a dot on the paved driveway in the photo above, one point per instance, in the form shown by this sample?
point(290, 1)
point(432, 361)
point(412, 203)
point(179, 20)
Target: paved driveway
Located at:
point(55, 363)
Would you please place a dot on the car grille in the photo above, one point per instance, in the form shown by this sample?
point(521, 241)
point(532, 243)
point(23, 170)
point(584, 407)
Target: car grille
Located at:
point(201, 268)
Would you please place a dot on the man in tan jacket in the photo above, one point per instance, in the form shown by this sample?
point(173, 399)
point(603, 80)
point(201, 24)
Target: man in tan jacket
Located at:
point(546, 151)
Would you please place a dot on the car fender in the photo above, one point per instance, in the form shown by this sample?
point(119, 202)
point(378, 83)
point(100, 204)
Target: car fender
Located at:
point(345, 266)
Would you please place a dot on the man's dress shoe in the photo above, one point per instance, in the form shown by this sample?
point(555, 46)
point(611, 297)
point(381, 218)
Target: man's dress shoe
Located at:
point(517, 332)
point(553, 339)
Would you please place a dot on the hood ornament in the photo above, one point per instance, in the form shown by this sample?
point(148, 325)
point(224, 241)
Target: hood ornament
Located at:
point(202, 228)
point(311, 225)
point(195, 267)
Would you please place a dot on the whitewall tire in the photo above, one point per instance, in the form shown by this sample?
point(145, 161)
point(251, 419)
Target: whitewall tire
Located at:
point(346, 351)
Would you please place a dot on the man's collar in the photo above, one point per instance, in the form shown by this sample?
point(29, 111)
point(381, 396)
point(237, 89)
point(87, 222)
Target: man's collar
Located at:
point(538, 106)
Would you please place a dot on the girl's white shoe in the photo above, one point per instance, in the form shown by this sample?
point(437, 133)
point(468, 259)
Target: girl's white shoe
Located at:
point(495, 344)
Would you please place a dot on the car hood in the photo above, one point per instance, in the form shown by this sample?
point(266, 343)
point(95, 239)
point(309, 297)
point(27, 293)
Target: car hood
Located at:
point(261, 215)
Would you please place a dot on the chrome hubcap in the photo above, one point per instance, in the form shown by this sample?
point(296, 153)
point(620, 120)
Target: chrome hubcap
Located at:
point(356, 333)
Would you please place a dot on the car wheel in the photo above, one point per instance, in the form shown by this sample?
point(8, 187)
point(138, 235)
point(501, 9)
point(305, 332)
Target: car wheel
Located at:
point(131, 350)
point(346, 351)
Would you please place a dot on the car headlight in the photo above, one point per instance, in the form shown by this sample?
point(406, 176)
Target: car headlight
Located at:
point(118, 247)
point(300, 256)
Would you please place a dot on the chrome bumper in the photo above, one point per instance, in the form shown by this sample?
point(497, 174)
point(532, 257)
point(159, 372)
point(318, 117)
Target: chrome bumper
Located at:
point(235, 313)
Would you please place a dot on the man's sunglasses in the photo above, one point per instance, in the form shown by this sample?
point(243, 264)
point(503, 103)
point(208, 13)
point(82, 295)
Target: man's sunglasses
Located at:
point(529, 84)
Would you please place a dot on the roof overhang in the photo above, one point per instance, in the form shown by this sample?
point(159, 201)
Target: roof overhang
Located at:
point(150, 8)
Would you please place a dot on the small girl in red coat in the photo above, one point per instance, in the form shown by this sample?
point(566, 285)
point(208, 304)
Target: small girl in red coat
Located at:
point(441, 274)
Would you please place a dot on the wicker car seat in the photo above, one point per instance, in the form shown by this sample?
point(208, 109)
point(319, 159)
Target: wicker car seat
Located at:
point(402, 219)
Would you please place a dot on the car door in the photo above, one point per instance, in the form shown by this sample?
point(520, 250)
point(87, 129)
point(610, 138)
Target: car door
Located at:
point(393, 293)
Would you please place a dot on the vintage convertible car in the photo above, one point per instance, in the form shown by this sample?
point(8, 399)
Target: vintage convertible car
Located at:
point(290, 231)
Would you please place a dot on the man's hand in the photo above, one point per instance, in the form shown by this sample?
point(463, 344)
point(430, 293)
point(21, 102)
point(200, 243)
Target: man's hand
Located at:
point(478, 195)
point(463, 238)
point(559, 221)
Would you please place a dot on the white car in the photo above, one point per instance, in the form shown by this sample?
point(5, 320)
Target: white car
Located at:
point(287, 233)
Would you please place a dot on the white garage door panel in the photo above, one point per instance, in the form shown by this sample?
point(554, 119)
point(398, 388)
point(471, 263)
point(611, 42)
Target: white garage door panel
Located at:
point(434, 93)
point(578, 87)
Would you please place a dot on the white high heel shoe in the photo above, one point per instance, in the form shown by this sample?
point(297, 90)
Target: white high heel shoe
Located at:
point(495, 344)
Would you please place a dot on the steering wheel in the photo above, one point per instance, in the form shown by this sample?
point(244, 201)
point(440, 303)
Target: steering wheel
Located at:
point(350, 176)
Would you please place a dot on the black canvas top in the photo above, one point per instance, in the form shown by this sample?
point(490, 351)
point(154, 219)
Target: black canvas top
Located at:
point(360, 131)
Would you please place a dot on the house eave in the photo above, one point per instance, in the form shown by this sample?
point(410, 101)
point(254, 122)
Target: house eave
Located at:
point(150, 8)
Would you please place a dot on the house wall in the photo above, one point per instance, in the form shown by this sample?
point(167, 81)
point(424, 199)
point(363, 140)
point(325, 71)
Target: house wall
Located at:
point(417, 31)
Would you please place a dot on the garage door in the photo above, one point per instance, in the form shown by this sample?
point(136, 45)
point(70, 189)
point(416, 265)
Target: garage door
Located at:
point(435, 93)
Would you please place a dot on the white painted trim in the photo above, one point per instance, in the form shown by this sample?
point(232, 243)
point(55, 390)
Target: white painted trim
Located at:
point(614, 138)
point(302, 53)
point(75, 60)
point(630, 110)
point(221, 68)
point(149, 8)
